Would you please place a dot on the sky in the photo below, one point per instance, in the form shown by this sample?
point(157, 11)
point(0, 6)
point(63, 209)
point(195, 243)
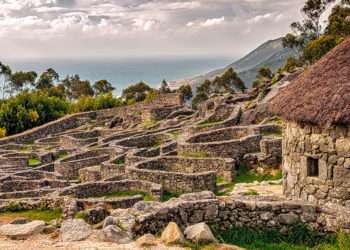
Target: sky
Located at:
point(140, 28)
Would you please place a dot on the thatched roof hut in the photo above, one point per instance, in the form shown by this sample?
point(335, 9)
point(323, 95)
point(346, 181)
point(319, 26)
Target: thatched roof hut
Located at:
point(321, 95)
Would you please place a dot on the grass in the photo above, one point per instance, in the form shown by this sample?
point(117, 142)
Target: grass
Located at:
point(220, 180)
point(62, 155)
point(251, 192)
point(175, 134)
point(243, 175)
point(146, 196)
point(147, 124)
point(194, 155)
point(168, 195)
point(299, 237)
point(119, 161)
point(46, 215)
point(23, 150)
point(277, 133)
point(207, 123)
point(33, 161)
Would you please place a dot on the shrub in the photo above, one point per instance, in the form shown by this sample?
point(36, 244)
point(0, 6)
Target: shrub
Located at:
point(2, 132)
point(89, 103)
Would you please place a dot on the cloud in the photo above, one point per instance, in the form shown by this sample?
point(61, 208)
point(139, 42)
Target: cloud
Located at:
point(61, 28)
point(213, 22)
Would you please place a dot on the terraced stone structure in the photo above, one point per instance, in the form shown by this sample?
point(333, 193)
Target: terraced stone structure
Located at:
point(316, 142)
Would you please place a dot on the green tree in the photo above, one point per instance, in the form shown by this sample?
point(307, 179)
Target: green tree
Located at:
point(47, 79)
point(102, 87)
point(199, 98)
point(339, 21)
point(316, 49)
point(136, 92)
point(265, 72)
point(75, 87)
point(19, 80)
point(5, 72)
point(231, 81)
point(164, 87)
point(185, 92)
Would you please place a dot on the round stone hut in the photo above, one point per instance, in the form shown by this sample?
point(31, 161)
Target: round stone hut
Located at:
point(316, 141)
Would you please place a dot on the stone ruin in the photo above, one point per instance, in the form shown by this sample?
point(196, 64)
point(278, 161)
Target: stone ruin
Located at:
point(81, 162)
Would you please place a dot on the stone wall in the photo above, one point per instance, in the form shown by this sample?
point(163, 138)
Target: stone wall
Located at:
point(267, 213)
point(95, 189)
point(307, 148)
point(180, 175)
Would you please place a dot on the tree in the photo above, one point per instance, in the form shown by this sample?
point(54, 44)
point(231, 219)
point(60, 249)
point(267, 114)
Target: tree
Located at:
point(47, 79)
point(316, 49)
point(136, 92)
point(231, 81)
point(75, 87)
point(265, 72)
point(21, 79)
point(199, 98)
point(5, 72)
point(102, 87)
point(205, 87)
point(164, 88)
point(186, 92)
point(339, 21)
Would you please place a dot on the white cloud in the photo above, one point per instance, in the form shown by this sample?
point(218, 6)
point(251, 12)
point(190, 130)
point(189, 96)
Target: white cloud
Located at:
point(145, 25)
point(260, 18)
point(213, 22)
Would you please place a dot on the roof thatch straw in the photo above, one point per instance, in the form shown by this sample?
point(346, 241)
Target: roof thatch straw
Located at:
point(321, 95)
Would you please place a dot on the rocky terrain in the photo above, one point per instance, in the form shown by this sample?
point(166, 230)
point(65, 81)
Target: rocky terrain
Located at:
point(151, 175)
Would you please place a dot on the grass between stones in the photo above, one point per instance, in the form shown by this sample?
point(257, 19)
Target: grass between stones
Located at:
point(147, 124)
point(277, 133)
point(175, 134)
point(207, 123)
point(33, 161)
point(33, 214)
point(194, 155)
point(168, 195)
point(62, 155)
point(146, 196)
point(299, 237)
point(243, 175)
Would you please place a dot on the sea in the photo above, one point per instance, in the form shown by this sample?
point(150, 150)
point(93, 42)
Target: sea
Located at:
point(124, 72)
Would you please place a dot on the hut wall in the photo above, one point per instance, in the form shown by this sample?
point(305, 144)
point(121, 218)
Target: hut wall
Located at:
point(316, 164)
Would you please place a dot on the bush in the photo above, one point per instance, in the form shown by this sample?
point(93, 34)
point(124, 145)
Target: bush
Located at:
point(2, 132)
point(30, 109)
point(89, 103)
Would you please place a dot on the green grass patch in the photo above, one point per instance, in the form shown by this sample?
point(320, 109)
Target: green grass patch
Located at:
point(34, 214)
point(219, 180)
point(62, 155)
point(119, 161)
point(299, 237)
point(207, 123)
point(147, 124)
point(33, 161)
point(168, 195)
point(251, 192)
point(277, 133)
point(175, 134)
point(194, 155)
point(23, 150)
point(244, 175)
point(146, 196)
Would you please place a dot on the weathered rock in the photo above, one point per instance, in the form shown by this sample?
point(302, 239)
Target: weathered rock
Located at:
point(96, 215)
point(172, 234)
point(116, 121)
point(75, 230)
point(148, 240)
point(19, 221)
point(205, 195)
point(288, 219)
point(49, 229)
point(110, 220)
point(113, 233)
point(22, 231)
point(199, 233)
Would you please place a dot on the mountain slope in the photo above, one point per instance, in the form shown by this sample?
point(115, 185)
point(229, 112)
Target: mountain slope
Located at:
point(270, 54)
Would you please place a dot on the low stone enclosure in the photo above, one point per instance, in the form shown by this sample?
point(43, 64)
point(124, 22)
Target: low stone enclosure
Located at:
point(184, 175)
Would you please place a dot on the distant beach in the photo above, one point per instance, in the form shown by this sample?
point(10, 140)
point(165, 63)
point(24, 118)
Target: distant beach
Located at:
point(123, 72)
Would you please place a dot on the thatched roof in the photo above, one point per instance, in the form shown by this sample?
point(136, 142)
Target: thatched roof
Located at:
point(321, 95)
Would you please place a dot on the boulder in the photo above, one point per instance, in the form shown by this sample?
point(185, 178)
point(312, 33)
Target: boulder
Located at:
point(148, 240)
point(288, 219)
point(199, 233)
point(75, 230)
point(204, 195)
point(19, 221)
point(113, 233)
point(22, 231)
point(110, 220)
point(172, 234)
point(96, 215)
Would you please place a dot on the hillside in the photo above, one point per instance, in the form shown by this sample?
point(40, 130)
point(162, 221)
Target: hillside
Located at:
point(270, 54)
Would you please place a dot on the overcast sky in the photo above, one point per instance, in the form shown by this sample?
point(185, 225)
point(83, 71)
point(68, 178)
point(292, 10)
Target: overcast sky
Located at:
point(123, 28)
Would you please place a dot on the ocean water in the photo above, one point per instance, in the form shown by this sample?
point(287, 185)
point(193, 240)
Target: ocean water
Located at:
point(123, 72)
